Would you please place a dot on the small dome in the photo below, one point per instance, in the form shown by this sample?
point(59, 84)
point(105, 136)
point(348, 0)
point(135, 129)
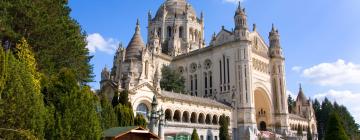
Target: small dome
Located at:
point(301, 96)
point(175, 7)
point(136, 45)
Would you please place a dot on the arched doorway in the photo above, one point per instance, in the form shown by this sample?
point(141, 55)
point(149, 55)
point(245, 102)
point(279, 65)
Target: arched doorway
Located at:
point(262, 126)
point(262, 109)
point(142, 109)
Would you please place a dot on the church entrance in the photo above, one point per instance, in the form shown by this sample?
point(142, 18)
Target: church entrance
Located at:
point(262, 126)
point(263, 109)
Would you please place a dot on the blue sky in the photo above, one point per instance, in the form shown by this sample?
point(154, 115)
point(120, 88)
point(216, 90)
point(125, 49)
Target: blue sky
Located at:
point(320, 38)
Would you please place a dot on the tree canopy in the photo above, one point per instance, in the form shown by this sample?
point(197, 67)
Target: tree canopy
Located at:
point(335, 130)
point(172, 80)
point(194, 135)
point(21, 103)
point(56, 39)
point(224, 128)
point(323, 112)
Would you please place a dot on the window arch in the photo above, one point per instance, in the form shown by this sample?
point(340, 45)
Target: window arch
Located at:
point(146, 69)
point(193, 117)
point(201, 118)
point(142, 109)
point(181, 32)
point(215, 119)
point(169, 31)
point(177, 116)
point(168, 115)
point(185, 116)
point(208, 119)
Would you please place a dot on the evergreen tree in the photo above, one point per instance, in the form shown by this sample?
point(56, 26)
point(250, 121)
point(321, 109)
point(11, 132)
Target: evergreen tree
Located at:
point(224, 126)
point(326, 109)
point(140, 121)
point(335, 130)
point(172, 80)
point(108, 117)
point(309, 135)
point(124, 115)
point(300, 130)
point(21, 104)
point(57, 40)
point(73, 108)
point(291, 104)
point(194, 135)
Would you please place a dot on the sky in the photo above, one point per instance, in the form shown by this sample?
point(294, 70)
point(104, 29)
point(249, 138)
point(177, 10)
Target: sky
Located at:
point(320, 38)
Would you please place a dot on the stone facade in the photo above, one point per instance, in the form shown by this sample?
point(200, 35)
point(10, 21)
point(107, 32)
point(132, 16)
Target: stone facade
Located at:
point(237, 75)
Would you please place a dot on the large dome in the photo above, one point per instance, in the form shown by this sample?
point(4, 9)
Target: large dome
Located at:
point(175, 7)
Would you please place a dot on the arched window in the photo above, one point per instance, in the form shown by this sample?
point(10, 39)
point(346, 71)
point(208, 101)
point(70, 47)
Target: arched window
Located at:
point(142, 109)
point(208, 119)
point(193, 117)
point(215, 119)
point(185, 116)
point(159, 32)
point(201, 118)
point(169, 31)
point(146, 69)
point(168, 115)
point(177, 116)
point(181, 32)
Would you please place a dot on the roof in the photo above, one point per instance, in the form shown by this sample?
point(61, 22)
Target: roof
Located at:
point(296, 117)
point(120, 131)
point(175, 7)
point(133, 50)
point(195, 99)
point(301, 96)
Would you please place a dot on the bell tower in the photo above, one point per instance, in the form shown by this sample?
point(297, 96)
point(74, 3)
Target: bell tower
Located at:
point(277, 65)
point(241, 28)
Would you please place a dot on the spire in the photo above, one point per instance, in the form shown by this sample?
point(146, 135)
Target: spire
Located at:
point(136, 44)
point(240, 10)
point(137, 29)
point(273, 28)
point(149, 15)
point(301, 96)
point(214, 36)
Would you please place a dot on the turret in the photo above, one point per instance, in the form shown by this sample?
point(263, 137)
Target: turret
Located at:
point(275, 47)
point(240, 18)
point(105, 75)
point(154, 116)
point(277, 65)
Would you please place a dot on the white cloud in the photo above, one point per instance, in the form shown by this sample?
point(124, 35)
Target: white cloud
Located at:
point(293, 95)
point(233, 1)
point(98, 43)
point(296, 68)
point(345, 97)
point(334, 74)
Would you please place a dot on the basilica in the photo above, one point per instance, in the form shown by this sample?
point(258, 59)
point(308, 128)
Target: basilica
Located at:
point(237, 75)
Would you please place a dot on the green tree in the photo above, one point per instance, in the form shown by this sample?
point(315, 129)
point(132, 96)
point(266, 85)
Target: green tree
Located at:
point(300, 130)
point(224, 126)
point(335, 130)
point(125, 115)
point(74, 109)
point(172, 80)
point(291, 104)
point(108, 117)
point(140, 121)
point(21, 103)
point(326, 109)
point(309, 135)
point(194, 135)
point(57, 40)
